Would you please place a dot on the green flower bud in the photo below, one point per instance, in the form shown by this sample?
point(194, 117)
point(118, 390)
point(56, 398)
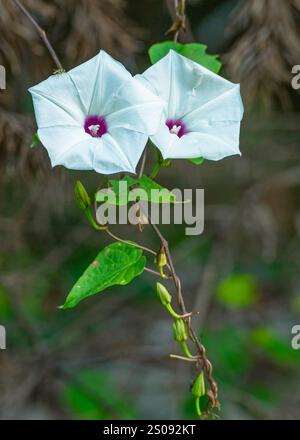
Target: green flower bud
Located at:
point(179, 330)
point(198, 388)
point(82, 197)
point(163, 295)
point(161, 259)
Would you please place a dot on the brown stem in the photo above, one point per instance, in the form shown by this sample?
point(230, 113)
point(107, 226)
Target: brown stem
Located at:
point(42, 34)
point(179, 24)
point(177, 12)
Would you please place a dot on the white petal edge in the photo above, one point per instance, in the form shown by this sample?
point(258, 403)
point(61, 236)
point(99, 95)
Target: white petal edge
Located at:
point(120, 151)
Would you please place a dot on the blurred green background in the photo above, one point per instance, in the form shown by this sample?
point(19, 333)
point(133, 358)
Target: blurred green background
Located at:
point(108, 358)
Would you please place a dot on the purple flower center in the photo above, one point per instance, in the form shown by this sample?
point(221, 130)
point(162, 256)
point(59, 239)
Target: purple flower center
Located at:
point(95, 126)
point(176, 126)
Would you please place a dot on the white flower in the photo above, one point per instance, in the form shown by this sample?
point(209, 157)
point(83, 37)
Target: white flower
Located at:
point(95, 116)
point(202, 111)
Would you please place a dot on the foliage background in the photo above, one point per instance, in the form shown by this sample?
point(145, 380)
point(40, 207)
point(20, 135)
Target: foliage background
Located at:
point(108, 358)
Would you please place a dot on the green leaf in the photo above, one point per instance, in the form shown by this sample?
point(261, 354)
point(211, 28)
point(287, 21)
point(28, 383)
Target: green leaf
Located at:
point(159, 50)
point(116, 264)
point(237, 291)
point(193, 51)
point(197, 53)
point(35, 140)
point(198, 160)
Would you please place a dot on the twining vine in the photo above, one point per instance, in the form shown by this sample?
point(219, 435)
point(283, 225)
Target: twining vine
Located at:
point(126, 257)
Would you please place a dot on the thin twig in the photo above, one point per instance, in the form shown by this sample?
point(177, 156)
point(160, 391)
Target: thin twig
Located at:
point(121, 240)
point(42, 34)
point(180, 23)
point(182, 358)
point(186, 36)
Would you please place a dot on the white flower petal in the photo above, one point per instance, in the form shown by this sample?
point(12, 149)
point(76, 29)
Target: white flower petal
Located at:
point(227, 106)
point(56, 101)
point(120, 150)
point(100, 87)
point(62, 143)
point(165, 141)
point(209, 106)
point(136, 108)
point(97, 81)
point(173, 78)
point(214, 143)
point(132, 143)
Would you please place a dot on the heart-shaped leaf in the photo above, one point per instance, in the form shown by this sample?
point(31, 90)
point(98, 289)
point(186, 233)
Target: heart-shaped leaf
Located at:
point(193, 51)
point(116, 264)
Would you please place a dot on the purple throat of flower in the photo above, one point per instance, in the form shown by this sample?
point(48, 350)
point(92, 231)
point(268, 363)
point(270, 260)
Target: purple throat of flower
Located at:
point(95, 126)
point(176, 126)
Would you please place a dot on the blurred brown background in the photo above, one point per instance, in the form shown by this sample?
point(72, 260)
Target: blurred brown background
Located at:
point(108, 358)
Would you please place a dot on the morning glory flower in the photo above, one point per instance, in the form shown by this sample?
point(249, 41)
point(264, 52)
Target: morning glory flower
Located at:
point(202, 110)
point(96, 116)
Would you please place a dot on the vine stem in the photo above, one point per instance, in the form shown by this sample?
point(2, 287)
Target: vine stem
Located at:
point(206, 364)
point(42, 34)
point(193, 336)
point(179, 23)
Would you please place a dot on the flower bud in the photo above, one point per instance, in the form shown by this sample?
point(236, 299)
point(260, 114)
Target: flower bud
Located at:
point(179, 331)
point(161, 258)
point(82, 197)
point(163, 295)
point(198, 388)
point(161, 261)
